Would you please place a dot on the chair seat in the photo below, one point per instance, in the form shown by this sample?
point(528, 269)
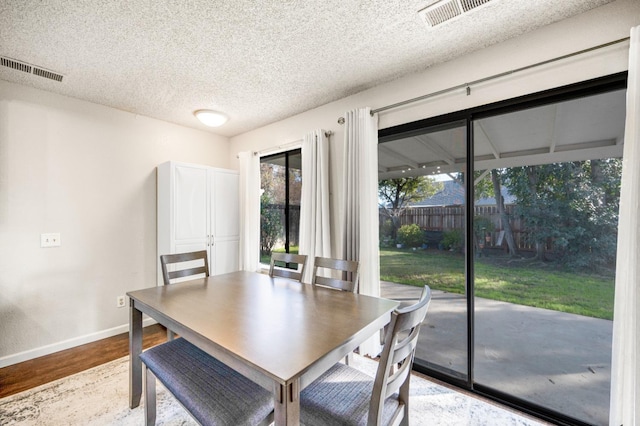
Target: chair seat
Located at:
point(213, 393)
point(341, 396)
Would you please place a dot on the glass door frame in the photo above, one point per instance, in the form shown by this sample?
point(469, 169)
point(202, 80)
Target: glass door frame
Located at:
point(588, 88)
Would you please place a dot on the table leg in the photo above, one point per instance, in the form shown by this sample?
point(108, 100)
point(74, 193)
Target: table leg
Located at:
point(135, 349)
point(287, 404)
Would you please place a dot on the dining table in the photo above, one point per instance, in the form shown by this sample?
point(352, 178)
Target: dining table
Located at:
point(280, 333)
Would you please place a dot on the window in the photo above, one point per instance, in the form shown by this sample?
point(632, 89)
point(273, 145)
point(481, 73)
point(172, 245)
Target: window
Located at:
point(281, 184)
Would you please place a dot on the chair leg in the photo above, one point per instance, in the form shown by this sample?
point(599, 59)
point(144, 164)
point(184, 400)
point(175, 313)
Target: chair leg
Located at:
point(149, 397)
point(348, 360)
point(403, 396)
point(170, 335)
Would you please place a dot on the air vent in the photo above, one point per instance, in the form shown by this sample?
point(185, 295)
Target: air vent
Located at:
point(445, 10)
point(28, 68)
point(467, 5)
point(47, 74)
point(16, 65)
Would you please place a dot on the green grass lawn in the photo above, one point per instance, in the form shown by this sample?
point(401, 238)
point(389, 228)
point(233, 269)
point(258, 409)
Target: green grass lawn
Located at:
point(524, 283)
point(266, 258)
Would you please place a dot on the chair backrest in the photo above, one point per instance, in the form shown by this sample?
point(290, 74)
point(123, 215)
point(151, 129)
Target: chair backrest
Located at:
point(349, 278)
point(396, 360)
point(171, 259)
point(284, 259)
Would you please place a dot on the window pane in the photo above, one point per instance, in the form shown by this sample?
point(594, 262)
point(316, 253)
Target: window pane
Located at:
point(295, 194)
point(422, 233)
point(281, 181)
point(545, 229)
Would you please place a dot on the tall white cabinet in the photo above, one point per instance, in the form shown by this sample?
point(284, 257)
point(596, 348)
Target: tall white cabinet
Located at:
point(198, 209)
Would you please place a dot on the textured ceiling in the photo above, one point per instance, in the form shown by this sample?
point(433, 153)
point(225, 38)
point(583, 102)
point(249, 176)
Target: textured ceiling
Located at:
point(257, 61)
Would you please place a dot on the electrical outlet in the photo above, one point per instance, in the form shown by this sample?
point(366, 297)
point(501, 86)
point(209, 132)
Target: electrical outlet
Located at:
point(120, 302)
point(50, 240)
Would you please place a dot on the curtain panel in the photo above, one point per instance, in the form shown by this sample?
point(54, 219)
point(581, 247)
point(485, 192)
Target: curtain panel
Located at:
point(361, 205)
point(625, 360)
point(249, 211)
point(315, 223)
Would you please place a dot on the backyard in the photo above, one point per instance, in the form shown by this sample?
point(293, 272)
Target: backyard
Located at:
point(521, 281)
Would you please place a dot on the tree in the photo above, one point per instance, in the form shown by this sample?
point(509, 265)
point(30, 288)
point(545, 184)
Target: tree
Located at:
point(274, 214)
point(396, 194)
point(573, 206)
point(493, 188)
point(270, 225)
point(486, 187)
point(506, 225)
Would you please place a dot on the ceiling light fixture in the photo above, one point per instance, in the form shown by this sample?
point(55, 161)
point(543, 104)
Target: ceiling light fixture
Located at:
point(211, 118)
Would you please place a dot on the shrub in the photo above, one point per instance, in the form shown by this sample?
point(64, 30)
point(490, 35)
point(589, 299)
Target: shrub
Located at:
point(452, 240)
point(386, 232)
point(410, 235)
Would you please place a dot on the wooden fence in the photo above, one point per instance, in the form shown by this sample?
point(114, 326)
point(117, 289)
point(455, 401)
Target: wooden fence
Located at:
point(439, 219)
point(453, 217)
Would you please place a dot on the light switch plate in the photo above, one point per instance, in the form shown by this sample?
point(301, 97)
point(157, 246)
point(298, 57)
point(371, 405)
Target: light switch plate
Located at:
point(50, 240)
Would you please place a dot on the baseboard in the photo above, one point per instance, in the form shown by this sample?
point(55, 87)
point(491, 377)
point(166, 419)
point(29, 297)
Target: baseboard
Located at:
point(66, 344)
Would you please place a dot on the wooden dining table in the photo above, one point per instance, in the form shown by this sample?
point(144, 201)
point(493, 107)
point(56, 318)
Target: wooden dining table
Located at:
point(279, 333)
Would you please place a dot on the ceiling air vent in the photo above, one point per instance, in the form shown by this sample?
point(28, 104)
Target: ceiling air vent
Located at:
point(28, 68)
point(47, 74)
point(16, 65)
point(445, 10)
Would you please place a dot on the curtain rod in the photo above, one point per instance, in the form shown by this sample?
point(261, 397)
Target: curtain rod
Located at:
point(467, 86)
point(283, 147)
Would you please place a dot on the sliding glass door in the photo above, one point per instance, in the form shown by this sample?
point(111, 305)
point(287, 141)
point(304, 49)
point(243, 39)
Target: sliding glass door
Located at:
point(518, 245)
point(545, 260)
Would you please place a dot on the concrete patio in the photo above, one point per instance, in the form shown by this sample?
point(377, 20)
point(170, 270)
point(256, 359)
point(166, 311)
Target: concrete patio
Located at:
point(554, 359)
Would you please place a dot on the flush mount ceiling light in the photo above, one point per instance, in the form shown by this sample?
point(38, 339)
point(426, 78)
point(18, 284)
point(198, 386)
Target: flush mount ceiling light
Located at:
point(211, 118)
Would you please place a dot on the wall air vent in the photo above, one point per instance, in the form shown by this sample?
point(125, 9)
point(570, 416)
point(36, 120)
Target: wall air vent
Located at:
point(28, 68)
point(445, 10)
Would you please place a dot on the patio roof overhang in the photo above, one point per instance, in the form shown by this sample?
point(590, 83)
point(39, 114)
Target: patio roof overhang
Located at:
point(574, 130)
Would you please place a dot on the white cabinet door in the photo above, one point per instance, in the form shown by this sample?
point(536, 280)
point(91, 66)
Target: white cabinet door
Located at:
point(225, 221)
point(191, 207)
point(225, 206)
point(198, 209)
point(224, 256)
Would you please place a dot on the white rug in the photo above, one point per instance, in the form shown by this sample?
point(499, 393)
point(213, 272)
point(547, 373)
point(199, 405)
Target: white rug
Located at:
point(99, 396)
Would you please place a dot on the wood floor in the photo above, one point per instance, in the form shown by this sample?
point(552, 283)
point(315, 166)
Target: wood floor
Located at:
point(29, 374)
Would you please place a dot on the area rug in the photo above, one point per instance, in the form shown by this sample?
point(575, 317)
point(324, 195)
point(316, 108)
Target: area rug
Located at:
point(99, 396)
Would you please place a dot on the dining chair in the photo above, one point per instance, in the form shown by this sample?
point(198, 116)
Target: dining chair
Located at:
point(211, 392)
point(284, 259)
point(346, 396)
point(348, 280)
point(349, 269)
point(179, 260)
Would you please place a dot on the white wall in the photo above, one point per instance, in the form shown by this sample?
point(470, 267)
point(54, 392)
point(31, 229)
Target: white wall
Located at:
point(87, 172)
point(599, 26)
